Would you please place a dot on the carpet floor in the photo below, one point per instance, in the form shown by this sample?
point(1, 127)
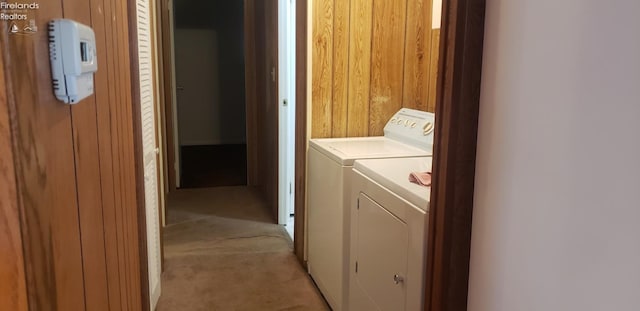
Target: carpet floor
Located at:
point(222, 252)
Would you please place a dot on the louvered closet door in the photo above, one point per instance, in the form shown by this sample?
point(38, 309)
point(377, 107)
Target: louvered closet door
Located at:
point(150, 148)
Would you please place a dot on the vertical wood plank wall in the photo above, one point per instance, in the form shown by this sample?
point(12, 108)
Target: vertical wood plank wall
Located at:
point(45, 172)
point(86, 151)
point(74, 183)
point(13, 288)
point(369, 59)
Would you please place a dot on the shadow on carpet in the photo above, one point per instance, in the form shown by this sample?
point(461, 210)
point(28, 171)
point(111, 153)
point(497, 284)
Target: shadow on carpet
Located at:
point(222, 253)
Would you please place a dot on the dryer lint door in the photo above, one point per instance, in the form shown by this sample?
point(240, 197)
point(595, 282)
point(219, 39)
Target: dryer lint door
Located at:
point(382, 248)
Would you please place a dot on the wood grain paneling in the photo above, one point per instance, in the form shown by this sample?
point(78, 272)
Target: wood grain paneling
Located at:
point(105, 92)
point(73, 181)
point(418, 50)
point(433, 70)
point(137, 277)
point(45, 171)
point(13, 289)
point(86, 150)
point(322, 71)
point(339, 105)
point(120, 150)
point(359, 67)
point(370, 58)
point(114, 220)
point(387, 62)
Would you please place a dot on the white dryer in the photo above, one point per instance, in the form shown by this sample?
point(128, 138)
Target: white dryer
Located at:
point(409, 133)
point(388, 233)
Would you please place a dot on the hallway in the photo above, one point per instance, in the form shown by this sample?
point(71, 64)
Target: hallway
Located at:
point(223, 253)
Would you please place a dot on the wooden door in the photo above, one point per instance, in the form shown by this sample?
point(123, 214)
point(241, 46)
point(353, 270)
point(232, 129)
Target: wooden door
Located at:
point(74, 186)
point(271, 108)
point(262, 99)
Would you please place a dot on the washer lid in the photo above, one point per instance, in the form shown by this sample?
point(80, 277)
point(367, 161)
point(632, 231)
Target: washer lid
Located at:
point(347, 150)
point(393, 174)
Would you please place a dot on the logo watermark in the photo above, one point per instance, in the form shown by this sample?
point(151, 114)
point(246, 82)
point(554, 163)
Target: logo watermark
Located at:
point(17, 15)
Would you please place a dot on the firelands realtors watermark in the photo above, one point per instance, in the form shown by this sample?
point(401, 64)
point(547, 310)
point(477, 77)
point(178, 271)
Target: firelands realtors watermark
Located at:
point(17, 14)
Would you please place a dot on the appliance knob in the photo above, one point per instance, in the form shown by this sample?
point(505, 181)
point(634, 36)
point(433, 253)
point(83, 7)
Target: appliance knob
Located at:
point(428, 128)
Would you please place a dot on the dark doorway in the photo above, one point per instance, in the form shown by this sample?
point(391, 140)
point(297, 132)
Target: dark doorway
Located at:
point(214, 166)
point(210, 76)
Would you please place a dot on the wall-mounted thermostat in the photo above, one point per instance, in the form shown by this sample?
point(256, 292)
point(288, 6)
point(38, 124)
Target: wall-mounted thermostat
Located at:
point(72, 50)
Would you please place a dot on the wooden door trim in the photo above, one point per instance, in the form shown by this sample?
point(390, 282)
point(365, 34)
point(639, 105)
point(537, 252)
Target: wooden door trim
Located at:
point(301, 130)
point(167, 87)
point(139, 154)
point(271, 181)
point(156, 53)
point(457, 108)
point(159, 35)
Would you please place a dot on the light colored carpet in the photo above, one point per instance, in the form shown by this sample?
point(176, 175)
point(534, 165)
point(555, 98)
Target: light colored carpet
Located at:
point(222, 252)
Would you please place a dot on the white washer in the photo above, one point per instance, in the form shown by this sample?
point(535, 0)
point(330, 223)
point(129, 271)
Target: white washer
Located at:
point(409, 133)
point(389, 219)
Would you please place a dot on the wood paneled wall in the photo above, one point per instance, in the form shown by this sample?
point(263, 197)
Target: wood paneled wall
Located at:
point(13, 290)
point(369, 59)
point(74, 181)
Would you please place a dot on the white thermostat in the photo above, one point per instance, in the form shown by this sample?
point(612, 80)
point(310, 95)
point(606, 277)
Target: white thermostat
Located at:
point(72, 50)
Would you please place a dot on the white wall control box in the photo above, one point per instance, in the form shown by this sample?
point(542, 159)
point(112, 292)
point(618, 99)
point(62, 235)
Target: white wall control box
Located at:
point(72, 50)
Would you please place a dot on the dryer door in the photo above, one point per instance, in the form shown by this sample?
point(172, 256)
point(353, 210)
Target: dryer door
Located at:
point(382, 247)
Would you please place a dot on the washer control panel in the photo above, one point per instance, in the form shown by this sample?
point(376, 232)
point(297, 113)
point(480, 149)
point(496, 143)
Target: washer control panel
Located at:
point(413, 127)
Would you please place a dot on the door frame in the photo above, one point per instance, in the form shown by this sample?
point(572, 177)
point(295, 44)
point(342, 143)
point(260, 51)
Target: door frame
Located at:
point(171, 164)
point(286, 122)
point(167, 76)
point(136, 110)
point(454, 159)
point(167, 85)
point(457, 109)
point(301, 138)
